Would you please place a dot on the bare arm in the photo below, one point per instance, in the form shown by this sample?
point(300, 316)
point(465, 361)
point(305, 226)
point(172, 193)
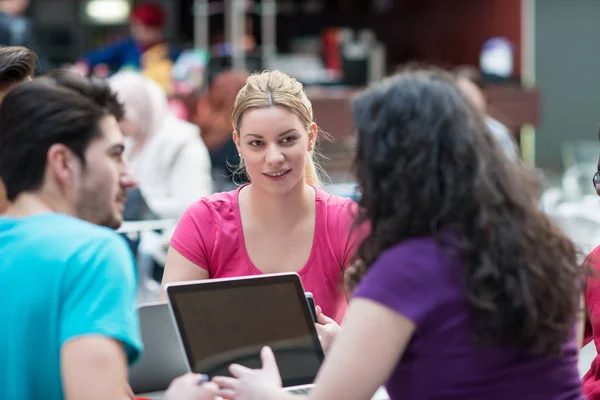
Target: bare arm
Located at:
point(94, 367)
point(361, 360)
point(180, 269)
point(355, 372)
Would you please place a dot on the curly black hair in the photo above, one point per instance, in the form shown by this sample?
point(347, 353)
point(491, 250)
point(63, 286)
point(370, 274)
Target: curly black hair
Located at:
point(426, 163)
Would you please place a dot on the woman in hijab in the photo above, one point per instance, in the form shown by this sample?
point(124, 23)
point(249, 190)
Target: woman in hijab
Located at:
point(165, 153)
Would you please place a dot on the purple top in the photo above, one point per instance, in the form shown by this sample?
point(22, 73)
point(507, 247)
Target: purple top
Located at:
point(423, 282)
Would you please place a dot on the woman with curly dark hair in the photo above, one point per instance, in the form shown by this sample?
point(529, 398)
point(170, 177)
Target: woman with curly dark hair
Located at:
point(464, 289)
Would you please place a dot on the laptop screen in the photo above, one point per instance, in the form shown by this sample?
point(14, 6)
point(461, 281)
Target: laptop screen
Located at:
point(225, 322)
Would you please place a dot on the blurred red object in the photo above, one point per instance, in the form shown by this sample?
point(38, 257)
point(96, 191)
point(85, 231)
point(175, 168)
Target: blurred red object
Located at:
point(149, 14)
point(331, 50)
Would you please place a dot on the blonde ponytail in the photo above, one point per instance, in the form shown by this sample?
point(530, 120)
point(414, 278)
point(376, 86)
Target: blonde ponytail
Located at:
point(311, 175)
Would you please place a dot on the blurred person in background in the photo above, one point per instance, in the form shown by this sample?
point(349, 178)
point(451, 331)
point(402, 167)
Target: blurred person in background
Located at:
point(464, 289)
point(282, 221)
point(17, 64)
point(473, 85)
point(17, 30)
point(213, 116)
point(169, 160)
point(166, 154)
point(146, 49)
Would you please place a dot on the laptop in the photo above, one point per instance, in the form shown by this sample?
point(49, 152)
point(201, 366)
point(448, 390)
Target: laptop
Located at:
point(162, 359)
point(225, 321)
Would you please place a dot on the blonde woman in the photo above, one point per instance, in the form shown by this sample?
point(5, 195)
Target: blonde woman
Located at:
point(282, 221)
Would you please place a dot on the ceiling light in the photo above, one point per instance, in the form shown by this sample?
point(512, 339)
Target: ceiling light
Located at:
point(108, 11)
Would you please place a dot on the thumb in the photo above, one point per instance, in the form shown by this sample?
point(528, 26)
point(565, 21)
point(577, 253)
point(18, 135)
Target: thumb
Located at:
point(322, 318)
point(268, 359)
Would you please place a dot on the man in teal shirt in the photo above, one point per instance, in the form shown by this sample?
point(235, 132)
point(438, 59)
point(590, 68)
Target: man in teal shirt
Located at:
point(68, 315)
point(69, 325)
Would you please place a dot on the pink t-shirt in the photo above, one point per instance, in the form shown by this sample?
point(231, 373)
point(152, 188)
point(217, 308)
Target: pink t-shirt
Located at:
point(210, 235)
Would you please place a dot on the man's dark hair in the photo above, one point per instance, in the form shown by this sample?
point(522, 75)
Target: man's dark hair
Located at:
point(472, 74)
point(61, 107)
point(16, 64)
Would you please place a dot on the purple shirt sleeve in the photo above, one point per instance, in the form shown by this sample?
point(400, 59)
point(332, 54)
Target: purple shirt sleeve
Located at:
point(413, 279)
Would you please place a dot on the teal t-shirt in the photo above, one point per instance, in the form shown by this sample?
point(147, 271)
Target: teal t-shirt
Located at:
point(61, 278)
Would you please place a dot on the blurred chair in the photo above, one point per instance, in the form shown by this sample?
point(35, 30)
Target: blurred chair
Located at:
point(152, 233)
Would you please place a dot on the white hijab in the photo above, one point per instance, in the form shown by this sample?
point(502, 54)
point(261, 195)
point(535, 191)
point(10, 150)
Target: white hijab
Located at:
point(169, 158)
point(144, 100)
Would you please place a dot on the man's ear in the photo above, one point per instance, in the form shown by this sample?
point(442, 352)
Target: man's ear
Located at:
point(63, 164)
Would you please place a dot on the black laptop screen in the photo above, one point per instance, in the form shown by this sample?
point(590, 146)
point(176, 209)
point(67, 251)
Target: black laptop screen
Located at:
point(229, 322)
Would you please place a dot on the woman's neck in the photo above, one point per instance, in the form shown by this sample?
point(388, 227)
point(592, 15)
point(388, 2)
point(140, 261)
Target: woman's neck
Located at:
point(280, 210)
